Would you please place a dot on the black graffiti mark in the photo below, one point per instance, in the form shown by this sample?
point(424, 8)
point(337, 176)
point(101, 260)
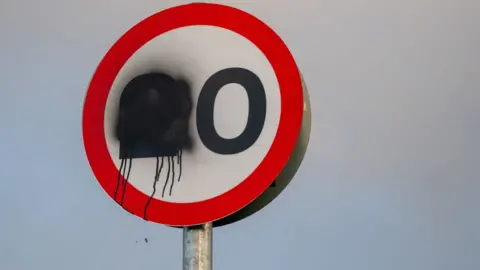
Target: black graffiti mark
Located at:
point(129, 162)
point(158, 170)
point(168, 177)
point(179, 162)
point(173, 175)
point(122, 163)
point(122, 182)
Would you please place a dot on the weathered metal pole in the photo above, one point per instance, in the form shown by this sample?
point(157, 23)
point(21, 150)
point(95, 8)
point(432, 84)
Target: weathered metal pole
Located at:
point(197, 247)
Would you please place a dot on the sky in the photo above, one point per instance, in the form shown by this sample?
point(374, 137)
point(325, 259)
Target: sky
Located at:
point(390, 179)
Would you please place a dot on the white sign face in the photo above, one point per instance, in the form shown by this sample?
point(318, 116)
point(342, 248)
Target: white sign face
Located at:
point(197, 52)
point(247, 114)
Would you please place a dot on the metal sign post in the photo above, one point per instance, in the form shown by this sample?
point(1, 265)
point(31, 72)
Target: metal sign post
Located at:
point(197, 247)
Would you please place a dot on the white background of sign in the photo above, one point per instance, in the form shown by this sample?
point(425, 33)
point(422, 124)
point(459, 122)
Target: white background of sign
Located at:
point(390, 180)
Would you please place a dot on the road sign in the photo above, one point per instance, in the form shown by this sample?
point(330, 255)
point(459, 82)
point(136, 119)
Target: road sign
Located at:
point(248, 107)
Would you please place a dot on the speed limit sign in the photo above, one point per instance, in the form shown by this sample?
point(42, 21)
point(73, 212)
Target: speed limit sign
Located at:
point(247, 114)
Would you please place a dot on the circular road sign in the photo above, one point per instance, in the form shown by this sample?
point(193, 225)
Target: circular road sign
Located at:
point(247, 115)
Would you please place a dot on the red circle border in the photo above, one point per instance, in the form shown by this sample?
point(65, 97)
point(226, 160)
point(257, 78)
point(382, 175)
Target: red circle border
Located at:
point(286, 71)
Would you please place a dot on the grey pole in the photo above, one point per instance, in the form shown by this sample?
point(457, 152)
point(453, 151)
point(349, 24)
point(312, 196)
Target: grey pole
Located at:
point(197, 247)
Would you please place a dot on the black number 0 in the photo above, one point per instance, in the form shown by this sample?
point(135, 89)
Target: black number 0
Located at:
point(257, 104)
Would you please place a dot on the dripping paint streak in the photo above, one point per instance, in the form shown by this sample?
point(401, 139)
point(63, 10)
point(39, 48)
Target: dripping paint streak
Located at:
point(168, 176)
point(122, 176)
point(118, 178)
point(122, 182)
point(129, 161)
point(179, 161)
point(124, 170)
point(157, 172)
point(157, 175)
point(173, 175)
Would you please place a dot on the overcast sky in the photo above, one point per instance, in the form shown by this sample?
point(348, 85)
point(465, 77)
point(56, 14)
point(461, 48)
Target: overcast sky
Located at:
point(391, 179)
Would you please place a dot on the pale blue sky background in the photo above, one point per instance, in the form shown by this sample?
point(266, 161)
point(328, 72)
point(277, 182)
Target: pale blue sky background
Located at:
point(391, 180)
